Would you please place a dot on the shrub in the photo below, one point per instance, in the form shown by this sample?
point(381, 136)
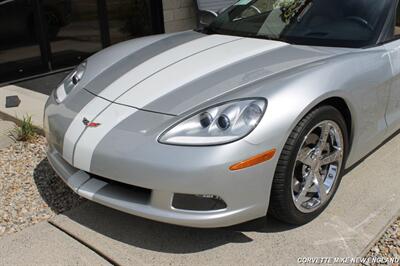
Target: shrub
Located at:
point(26, 131)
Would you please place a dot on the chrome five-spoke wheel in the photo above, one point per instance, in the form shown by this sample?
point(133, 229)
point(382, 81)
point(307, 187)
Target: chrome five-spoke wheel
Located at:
point(317, 166)
point(310, 166)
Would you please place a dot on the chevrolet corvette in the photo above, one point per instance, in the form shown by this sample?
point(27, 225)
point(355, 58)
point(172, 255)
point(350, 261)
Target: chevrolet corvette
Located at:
point(258, 113)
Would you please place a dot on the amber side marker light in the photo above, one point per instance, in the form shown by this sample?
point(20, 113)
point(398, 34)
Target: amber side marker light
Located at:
point(263, 157)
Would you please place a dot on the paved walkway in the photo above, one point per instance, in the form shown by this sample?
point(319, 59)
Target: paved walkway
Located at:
point(32, 104)
point(43, 244)
point(5, 128)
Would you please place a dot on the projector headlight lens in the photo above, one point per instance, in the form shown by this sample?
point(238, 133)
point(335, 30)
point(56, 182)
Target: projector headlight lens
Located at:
point(217, 125)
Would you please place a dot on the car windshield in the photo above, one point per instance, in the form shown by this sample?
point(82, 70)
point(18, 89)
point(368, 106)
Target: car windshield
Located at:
point(343, 23)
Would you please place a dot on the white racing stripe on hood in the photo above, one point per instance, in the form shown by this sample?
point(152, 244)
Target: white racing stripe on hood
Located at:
point(161, 61)
point(89, 140)
point(193, 68)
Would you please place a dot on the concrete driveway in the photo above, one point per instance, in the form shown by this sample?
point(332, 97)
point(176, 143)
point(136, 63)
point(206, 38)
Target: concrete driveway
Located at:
point(368, 199)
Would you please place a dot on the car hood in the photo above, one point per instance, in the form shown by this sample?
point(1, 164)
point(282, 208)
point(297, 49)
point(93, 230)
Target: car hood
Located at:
point(173, 73)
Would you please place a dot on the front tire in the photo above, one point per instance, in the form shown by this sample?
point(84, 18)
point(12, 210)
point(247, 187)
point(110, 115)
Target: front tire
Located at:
point(310, 167)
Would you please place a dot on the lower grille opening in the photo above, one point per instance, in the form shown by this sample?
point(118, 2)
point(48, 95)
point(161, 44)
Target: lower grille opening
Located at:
point(125, 192)
point(198, 202)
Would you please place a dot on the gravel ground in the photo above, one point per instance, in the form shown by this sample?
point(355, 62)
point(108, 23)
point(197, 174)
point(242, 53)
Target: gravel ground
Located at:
point(30, 191)
point(388, 246)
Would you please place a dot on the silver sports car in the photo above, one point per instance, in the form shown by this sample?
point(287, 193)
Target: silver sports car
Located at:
point(259, 112)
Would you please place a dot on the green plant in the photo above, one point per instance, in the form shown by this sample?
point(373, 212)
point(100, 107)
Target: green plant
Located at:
point(290, 8)
point(26, 130)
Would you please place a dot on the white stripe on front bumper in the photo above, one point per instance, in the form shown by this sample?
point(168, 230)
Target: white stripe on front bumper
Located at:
point(90, 111)
point(89, 140)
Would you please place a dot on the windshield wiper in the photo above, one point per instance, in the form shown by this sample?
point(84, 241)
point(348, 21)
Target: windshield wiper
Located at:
point(264, 37)
point(209, 30)
point(206, 30)
point(267, 37)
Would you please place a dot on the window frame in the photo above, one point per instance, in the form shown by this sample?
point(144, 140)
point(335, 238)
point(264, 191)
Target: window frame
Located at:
point(380, 37)
point(387, 34)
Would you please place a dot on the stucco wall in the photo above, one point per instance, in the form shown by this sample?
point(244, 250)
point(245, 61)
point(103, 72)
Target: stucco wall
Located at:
point(179, 15)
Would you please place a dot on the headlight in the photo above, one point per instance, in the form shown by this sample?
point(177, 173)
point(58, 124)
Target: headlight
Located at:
point(217, 125)
point(70, 82)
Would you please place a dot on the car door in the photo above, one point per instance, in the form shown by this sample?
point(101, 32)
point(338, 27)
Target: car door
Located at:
point(393, 48)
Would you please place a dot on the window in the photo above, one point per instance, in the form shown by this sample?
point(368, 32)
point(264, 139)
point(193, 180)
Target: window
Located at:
point(39, 36)
point(129, 19)
point(19, 47)
point(73, 30)
point(397, 25)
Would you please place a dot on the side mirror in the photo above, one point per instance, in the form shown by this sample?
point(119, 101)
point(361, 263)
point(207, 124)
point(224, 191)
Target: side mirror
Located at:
point(206, 17)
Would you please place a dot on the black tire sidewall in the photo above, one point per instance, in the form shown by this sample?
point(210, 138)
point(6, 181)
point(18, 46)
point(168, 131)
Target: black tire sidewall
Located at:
point(315, 117)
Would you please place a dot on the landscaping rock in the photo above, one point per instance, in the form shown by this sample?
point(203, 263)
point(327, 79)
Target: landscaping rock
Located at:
point(388, 246)
point(30, 191)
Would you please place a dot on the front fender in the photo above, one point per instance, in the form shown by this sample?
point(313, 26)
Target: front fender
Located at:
point(360, 78)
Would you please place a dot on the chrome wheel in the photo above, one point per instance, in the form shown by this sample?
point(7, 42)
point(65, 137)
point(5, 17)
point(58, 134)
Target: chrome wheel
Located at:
point(317, 167)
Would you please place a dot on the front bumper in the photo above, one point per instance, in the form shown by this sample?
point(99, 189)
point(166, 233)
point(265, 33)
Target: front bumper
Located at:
point(131, 172)
point(158, 204)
